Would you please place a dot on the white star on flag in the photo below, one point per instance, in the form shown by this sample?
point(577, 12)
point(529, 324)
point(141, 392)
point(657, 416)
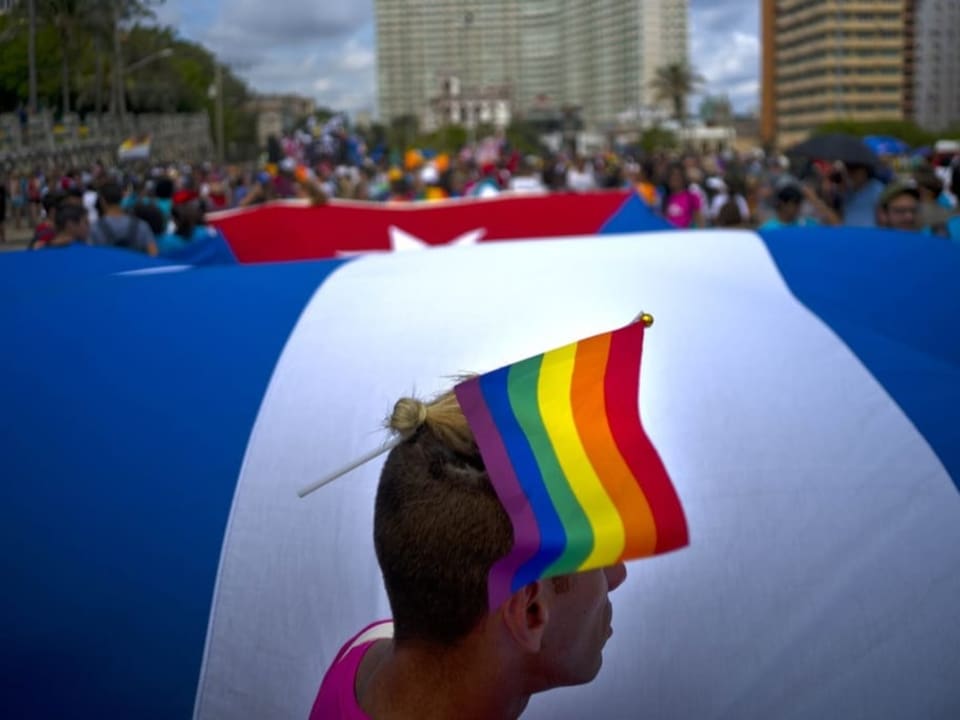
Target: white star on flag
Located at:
point(402, 241)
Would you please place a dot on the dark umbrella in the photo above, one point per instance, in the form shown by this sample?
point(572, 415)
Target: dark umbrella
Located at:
point(847, 149)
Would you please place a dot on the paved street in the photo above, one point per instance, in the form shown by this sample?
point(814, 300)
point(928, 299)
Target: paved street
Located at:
point(17, 239)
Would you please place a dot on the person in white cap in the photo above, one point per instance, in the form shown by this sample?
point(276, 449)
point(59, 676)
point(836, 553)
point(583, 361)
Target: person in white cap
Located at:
point(722, 197)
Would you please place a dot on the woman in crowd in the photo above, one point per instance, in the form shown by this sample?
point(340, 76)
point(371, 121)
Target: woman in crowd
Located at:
point(680, 205)
point(188, 227)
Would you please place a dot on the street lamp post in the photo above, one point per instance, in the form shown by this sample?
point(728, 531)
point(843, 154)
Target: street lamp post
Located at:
point(216, 94)
point(165, 53)
point(124, 70)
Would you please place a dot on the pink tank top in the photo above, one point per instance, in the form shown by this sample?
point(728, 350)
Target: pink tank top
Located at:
point(337, 698)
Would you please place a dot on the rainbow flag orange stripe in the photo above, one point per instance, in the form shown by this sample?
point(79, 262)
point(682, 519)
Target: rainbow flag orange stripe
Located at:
point(562, 440)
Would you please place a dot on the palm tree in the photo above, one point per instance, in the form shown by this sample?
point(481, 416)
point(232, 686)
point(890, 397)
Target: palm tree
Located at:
point(674, 83)
point(32, 55)
point(64, 15)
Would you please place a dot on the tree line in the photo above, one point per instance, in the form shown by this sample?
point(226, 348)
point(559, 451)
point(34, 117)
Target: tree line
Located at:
point(96, 57)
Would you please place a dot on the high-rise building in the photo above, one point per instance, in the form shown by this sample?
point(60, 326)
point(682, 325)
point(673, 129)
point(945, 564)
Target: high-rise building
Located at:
point(613, 50)
point(833, 59)
point(863, 60)
point(597, 55)
point(936, 62)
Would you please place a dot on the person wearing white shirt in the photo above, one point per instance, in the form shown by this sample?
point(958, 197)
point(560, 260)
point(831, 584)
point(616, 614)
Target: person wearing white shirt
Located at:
point(580, 177)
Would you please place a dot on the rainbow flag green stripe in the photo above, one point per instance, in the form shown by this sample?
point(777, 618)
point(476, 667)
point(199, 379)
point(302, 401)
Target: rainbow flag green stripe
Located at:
point(562, 440)
point(524, 392)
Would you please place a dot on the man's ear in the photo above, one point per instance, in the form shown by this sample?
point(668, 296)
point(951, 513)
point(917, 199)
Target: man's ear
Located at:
point(526, 614)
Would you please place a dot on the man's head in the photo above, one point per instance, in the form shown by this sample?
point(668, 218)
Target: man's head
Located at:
point(72, 223)
point(152, 216)
point(439, 528)
point(858, 174)
point(51, 201)
point(928, 185)
point(111, 194)
point(899, 206)
point(163, 190)
point(73, 196)
point(788, 199)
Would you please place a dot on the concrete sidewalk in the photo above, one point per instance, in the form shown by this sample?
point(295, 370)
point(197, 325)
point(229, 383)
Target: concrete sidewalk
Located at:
point(17, 238)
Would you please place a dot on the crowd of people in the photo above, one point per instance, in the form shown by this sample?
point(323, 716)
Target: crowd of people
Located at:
point(105, 206)
point(159, 209)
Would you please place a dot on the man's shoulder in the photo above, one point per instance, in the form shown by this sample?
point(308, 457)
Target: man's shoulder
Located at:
point(336, 697)
point(380, 630)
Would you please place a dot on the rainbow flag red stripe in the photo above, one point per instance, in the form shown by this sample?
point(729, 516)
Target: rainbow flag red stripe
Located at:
point(563, 443)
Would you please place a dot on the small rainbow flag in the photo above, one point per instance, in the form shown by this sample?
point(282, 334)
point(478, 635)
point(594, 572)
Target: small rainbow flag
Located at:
point(562, 440)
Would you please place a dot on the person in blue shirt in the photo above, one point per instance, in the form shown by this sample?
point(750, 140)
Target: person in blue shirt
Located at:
point(189, 227)
point(953, 228)
point(788, 199)
point(862, 197)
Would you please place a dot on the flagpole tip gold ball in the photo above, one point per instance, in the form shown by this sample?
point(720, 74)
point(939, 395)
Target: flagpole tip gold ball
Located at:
point(646, 319)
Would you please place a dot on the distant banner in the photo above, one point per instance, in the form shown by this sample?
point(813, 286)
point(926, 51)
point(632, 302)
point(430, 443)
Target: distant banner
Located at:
point(137, 148)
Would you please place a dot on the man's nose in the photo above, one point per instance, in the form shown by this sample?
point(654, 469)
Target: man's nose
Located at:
point(616, 574)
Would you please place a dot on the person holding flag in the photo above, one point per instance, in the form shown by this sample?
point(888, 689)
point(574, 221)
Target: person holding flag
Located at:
point(503, 518)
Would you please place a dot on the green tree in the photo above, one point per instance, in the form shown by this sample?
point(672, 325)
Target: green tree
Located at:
point(673, 84)
point(178, 81)
point(404, 130)
point(716, 110)
point(14, 64)
point(65, 17)
point(524, 137)
point(374, 135)
point(656, 139)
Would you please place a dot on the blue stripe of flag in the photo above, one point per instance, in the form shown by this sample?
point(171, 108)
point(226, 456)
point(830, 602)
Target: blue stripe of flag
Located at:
point(123, 444)
point(553, 538)
point(892, 297)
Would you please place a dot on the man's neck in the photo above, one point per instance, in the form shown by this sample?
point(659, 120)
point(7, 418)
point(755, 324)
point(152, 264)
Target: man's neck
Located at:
point(113, 211)
point(465, 683)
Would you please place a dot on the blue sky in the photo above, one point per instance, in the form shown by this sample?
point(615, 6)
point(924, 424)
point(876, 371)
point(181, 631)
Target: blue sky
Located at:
point(326, 49)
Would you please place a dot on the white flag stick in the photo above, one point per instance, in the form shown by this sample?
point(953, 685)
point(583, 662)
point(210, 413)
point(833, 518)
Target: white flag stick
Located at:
point(352, 465)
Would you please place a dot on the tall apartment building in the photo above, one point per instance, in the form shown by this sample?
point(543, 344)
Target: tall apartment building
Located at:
point(862, 60)
point(830, 59)
point(423, 44)
point(598, 55)
point(613, 50)
point(936, 62)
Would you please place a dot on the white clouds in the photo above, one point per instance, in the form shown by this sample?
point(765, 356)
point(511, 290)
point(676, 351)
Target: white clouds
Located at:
point(318, 48)
point(168, 14)
point(325, 49)
point(246, 24)
point(358, 58)
point(725, 47)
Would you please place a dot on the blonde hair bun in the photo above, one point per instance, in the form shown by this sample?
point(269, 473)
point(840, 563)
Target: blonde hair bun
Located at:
point(442, 415)
point(408, 415)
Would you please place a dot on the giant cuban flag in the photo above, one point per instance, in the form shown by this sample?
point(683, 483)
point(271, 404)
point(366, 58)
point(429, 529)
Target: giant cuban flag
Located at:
point(802, 389)
point(293, 230)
